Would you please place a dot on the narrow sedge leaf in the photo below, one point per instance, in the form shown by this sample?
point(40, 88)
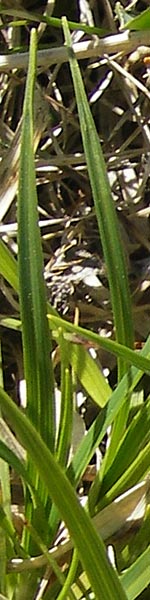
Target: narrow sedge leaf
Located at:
point(137, 358)
point(36, 338)
point(66, 408)
point(132, 475)
point(133, 357)
point(108, 227)
point(64, 593)
point(103, 578)
point(65, 425)
point(51, 21)
point(35, 333)
point(137, 577)
point(130, 446)
point(139, 23)
point(104, 206)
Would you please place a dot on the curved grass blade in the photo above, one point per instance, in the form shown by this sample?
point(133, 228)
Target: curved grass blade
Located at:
point(138, 359)
point(103, 578)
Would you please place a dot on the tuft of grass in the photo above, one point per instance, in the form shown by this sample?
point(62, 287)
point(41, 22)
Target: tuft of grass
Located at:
point(40, 451)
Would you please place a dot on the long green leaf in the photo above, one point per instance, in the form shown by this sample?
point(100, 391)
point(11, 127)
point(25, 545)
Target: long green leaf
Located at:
point(139, 23)
point(32, 294)
point(104, 206)
point(137, 358)
point(137, 577)
point(36, 339)
point(130, 356)
point(130, 447)
point(108, 227)
point(51, 21)
point(103, 578)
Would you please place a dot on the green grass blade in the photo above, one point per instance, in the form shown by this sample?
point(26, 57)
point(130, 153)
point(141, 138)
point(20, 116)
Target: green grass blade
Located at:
point(131, 445)
point(70, 577)
point(66, 409)
point(137, 577)
point(139, 23)
point(104, 206)
point(108, 227)
point(138, 359)
point(36, 339)
point(8, 266)
point(10, 457)
point(51, 21)
point(32, 294)
point(98, 429)
point(103, 578)
point(137, 470)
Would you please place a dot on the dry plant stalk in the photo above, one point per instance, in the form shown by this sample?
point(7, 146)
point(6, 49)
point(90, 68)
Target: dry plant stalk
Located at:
point(125, 43)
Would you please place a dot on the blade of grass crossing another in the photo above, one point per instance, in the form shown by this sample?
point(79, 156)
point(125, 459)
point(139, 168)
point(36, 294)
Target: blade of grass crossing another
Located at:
point(139, 359)
point(104, 580)
point(104, 206)
point(129, 449)
point(107, 223)
point(98, 429)
point(137, 577)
